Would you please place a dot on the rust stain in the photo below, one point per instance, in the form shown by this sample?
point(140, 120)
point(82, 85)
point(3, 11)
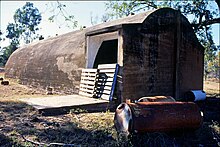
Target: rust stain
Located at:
point(158, 116)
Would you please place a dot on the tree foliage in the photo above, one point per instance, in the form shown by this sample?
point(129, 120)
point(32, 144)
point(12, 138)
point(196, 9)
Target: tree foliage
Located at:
point(201, 12)
point(202, 15)
point(26, 23)
point(24, 28)
point(212, 67)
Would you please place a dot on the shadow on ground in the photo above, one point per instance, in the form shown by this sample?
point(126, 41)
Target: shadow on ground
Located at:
point(18, 119)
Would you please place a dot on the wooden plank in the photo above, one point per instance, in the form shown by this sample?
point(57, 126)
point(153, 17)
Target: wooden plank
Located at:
point(89, 74)
point(88, 78)
point(106, 75)
point(91, 80)
point(104, 79)
point(88, 82)
point(104, 84)
point(103, 87)
point(87, 90)
point(107, 70)
point(106, 66)
point(103, 91)
point(89, 70)
point(106, 91)
point(86, 86)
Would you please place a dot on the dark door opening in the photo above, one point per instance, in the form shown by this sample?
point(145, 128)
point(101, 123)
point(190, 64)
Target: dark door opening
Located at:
point(107, 53)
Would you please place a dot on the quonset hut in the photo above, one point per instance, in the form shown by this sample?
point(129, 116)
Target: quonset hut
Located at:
point(157, 51)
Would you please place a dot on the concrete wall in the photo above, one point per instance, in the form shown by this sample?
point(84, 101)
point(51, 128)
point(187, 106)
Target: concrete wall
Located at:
point(158, 53)
point(161, 57)
point(55, 62)
point(58, 61)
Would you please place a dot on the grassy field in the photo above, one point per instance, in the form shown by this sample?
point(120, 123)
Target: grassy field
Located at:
point(21, 125)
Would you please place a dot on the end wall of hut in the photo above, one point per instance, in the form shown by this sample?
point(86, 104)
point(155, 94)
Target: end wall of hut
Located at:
point(162, 56)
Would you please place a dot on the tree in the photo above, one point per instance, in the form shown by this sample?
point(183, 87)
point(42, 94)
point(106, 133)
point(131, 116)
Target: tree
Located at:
point(212, 68)
point(26, 23)
point(202, 12)
point(24, 27)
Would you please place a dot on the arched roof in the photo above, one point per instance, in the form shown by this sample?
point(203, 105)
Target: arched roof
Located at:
point(57, 61)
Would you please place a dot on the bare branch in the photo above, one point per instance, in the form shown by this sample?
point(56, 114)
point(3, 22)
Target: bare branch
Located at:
point(205, 23)
point(218, 3)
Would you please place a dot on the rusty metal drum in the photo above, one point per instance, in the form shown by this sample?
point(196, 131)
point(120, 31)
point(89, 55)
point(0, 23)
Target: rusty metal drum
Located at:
point(143, 117)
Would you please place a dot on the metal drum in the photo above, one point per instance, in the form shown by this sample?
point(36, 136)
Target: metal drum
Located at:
point(157, 117)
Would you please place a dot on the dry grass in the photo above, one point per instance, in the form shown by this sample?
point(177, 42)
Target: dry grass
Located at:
point(84, 129)
point(78, 127)
point(18, 120)
point(212, 87)
point(15, 91)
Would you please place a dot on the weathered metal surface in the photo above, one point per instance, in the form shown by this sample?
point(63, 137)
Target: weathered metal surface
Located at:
point(157, 117)
point(122, 119)
point(157, 99)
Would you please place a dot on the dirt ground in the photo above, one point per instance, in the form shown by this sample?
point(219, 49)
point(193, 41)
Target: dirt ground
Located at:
point(21, 125)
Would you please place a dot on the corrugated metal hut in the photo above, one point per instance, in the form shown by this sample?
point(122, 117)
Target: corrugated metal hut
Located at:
point(157, 51)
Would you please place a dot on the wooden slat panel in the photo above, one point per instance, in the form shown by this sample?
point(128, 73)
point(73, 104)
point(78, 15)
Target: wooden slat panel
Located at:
point(99, 82)
point(88, 82)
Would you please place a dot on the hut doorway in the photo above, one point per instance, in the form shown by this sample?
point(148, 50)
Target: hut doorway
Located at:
point(101, 49)
point(107, 53)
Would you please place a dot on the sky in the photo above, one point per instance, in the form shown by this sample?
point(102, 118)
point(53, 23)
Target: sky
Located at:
point(82, 10)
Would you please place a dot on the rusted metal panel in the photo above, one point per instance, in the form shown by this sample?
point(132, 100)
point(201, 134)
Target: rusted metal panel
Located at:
point(157, 117)
point(157, 99)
